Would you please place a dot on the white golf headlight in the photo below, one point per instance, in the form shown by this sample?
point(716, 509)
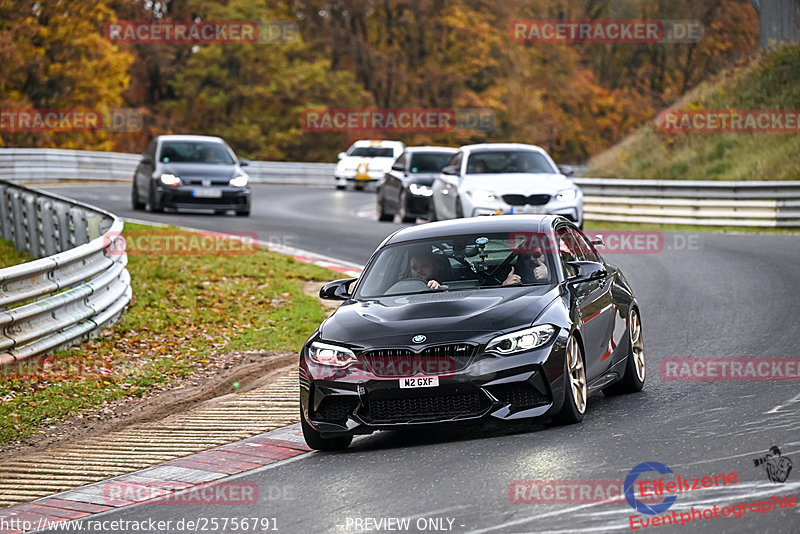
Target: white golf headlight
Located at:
point(170, 179)
point(567, 195)
point(239, 181)
point(335, 356)
point(420, 190)
point(522, 340)
point(481, 196)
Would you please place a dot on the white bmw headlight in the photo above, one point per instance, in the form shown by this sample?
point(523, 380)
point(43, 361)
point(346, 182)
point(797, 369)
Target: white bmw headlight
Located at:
point(522, 340)
point(481, 196)
point(170, 179)
point(420, 190)
point(567, 195)
point(333, 355)
point(239, 181)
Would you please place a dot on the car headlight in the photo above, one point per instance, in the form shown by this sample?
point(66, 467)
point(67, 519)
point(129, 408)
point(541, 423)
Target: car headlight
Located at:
point(567, 195)
point(522, 340)
point(420, 190)
point(239, 181)
point(332, 355)
point(480, 196)
point(170, 179)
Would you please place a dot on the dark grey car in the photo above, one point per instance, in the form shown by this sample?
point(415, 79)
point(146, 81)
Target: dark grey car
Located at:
point(406, 188)
point(191, 172)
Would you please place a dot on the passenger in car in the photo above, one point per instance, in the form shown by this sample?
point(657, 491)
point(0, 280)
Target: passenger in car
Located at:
point(530, 268)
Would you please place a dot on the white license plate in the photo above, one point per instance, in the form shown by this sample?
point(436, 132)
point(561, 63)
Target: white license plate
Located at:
point(532, 209)
point(421, 382)
point(207, 193)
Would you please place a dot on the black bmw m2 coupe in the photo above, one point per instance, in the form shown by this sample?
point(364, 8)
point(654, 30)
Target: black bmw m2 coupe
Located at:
point(504, 318)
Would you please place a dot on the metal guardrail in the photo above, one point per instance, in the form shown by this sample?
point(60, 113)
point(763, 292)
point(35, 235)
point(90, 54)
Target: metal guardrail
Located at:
point(76, 288)
point(772, 204)
point(763, 204)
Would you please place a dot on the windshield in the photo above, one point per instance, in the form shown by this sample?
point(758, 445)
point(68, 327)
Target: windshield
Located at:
point(195, 152)
point(372, 152)
point(429, 161)
point(465, 262)
point(508, 161)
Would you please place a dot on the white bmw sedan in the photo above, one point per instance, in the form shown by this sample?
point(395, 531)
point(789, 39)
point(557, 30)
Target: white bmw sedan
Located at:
point(502, 179)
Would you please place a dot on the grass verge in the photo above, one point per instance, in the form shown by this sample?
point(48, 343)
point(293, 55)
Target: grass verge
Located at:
point(771, 83)
point(9, 255)
point(185, 309)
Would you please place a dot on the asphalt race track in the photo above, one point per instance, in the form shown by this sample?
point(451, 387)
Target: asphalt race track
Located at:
point(703, 295)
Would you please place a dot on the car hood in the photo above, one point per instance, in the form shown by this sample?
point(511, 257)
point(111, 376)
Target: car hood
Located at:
point(442, 317)
point(519, 183)
point(200, 170)
point(351, 163)
point(422, 178)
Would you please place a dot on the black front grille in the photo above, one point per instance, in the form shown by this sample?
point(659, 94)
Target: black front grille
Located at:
point(437, 360)
point(425, 408)
point(519, 395)
point(538, 200)
point(515, 200)
point(336, 408)
point(522, 200)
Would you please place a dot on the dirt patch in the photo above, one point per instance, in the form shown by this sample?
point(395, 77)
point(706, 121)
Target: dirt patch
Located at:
point(227, 374)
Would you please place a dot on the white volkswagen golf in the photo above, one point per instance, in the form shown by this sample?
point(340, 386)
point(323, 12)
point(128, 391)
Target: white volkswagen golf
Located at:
point(366, 162)
point(502, 179)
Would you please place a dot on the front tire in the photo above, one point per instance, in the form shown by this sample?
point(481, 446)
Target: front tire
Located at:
point(459, 209)
point(152, 205)
point(136, 204)
point(380, 209)
point(404, 216)
point(315, 440)
point(574, 405)
point(633, 379)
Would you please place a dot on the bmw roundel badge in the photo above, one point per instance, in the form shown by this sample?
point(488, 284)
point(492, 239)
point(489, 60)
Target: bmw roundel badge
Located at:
point(418, 338)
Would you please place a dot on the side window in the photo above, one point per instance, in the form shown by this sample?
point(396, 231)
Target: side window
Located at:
point(151, 149)
point(568, 249)
point(456, 161)
point(400, 163)
point(588, 252)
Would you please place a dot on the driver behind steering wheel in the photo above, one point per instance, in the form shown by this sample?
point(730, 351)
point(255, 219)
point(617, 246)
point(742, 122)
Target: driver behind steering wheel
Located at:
point(425, 267)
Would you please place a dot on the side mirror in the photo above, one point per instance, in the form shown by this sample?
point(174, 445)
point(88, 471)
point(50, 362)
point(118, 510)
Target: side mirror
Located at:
point(342, 155)
point(146, 159)
point(586, 271)
point(336, 290)
point(566, 170)
point(398, 167)
point(244, 162)
point(451, 170)
point(598, 241)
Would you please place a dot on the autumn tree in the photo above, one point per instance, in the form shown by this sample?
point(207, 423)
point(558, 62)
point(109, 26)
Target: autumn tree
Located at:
point(53, 56)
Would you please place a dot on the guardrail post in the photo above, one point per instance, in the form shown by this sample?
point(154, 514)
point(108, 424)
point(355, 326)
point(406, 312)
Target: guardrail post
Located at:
point(48, 226)
point(34, 233)
point(79, 230)
point(19, 222)
point(6, 223)
point(62, 222)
